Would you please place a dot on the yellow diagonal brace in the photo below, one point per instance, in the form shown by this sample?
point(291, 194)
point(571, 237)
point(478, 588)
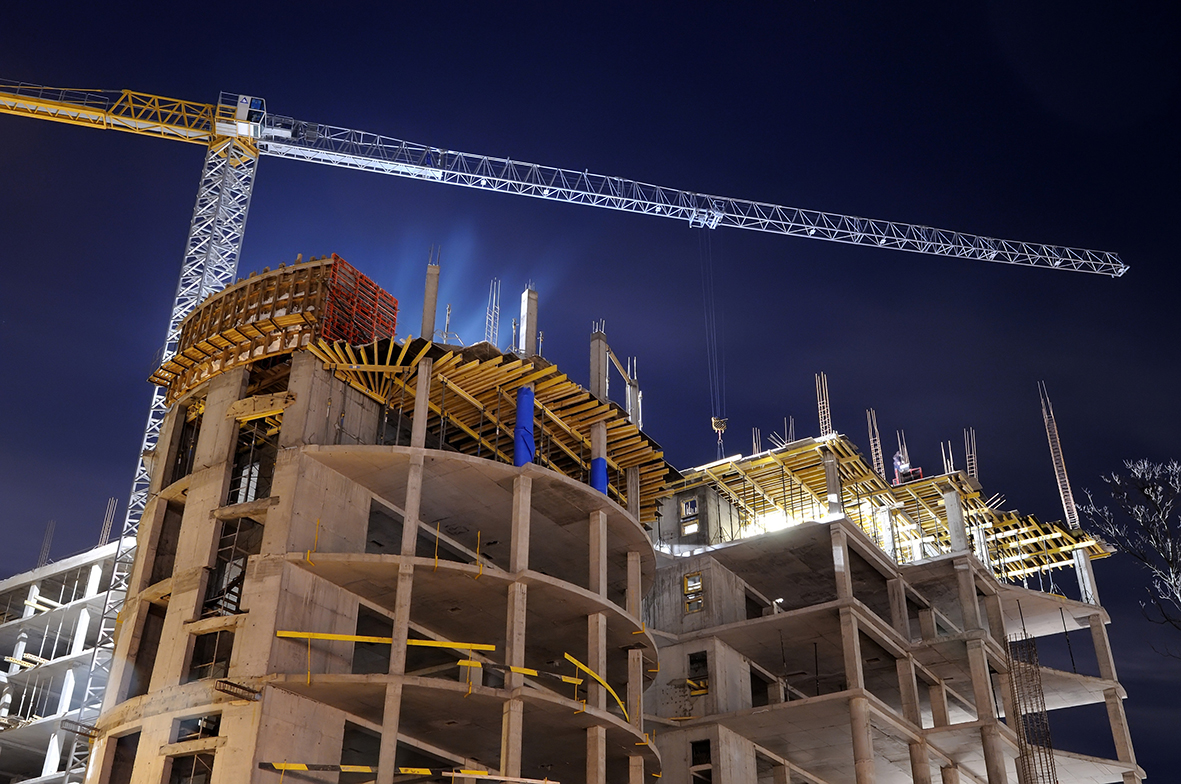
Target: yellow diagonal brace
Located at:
point(601, 682)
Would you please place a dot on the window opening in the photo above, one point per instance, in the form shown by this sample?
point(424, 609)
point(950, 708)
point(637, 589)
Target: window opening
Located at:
point(690, 528)
point(700, 761)
point(193, 769)
point(186, 446)
point(240, 539)
point(359, 746)
point(211, 655)
point(254, 461)
point(164, 560)
point(694, 589)
point(688, 508)
point(124, 759)
point(698, 679)
point(145, 656)
point(372, 657)
point(199, 727)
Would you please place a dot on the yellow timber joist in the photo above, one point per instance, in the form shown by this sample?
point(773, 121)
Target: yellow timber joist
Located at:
point(791, 480)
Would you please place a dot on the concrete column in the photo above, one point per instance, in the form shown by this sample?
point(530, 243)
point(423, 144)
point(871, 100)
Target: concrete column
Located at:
point(996, 617)
point(1087, 588)
point(635, 589)
point(522, 510)
point(920, 763)
point(1102, 645)
point(512, 724)
point(851, 648)
point(832, 482)
point(219, 433)
point(937, 694)
point(635, 770)
point(633, 491)
point(994, 754)
point(969, 603)
point(840, 561)
point(596, 658)
point(412, 505)
point(391, 713)
point(927, 624)
point(862, 740)
point(430, 300)
point(18, 650)
point(598, 466)
point(53, 753)
point(31, 599)
point(883, 520)
point(899, 617)
point(990, 738)
point(981, 682)
point(1124, 751)
point(94, 579)
point(67, 693)
point(596, 755)
point(597, 535)
point(79, 642)
point(635, 688)
point(909, 687)
point(950, 774)
point(527, 340)
point(955, 521)
point(599, 366)
point(422, 409)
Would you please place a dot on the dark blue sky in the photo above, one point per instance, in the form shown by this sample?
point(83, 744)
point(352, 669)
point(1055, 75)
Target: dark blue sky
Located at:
point(1054, 126)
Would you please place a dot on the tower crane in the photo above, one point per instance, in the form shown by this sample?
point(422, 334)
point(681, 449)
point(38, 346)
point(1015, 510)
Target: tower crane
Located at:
point(238, 130)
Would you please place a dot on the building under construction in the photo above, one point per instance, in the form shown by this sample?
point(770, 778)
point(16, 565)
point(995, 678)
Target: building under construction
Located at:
point(365, 559)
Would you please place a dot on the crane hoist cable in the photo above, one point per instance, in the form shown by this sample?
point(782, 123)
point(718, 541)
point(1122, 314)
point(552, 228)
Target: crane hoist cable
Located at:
point(715, 366)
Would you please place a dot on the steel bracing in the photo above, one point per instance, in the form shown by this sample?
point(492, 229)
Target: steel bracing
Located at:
point(285, 137)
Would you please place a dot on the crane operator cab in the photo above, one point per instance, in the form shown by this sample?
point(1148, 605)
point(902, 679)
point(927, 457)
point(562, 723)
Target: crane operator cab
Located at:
point(248, 115)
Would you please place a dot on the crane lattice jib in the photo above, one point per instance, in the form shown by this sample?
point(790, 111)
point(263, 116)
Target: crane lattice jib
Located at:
point(285, 137)
point(125, 110)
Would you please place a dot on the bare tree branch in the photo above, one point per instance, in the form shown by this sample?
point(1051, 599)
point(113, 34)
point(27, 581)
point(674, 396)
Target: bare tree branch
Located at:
point(1145, 525)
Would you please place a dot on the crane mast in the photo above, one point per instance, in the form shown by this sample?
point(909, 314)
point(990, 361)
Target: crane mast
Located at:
point(238, 130)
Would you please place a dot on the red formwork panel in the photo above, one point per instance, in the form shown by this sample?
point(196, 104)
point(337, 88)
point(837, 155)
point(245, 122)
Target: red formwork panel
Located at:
point(357, 310)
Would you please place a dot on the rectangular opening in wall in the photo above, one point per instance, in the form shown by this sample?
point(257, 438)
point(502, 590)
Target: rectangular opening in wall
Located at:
point(186, 443)
point(754, 607)
point(384, 534)
point(700, 761)
point(694, 589)
point(211, 655)
point(254, 461)
point(688, 508)
point(124, 759)
point(690, 528)
point(240, 539)
point(164, 559)
point(372, 657)
point(198, 727)
point(191, 769)
point(358, 747)
point(145, 654)
point(698, 676)
point(760, 689)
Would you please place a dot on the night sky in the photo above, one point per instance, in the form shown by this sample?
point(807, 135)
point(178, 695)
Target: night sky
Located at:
point(1056, 126)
